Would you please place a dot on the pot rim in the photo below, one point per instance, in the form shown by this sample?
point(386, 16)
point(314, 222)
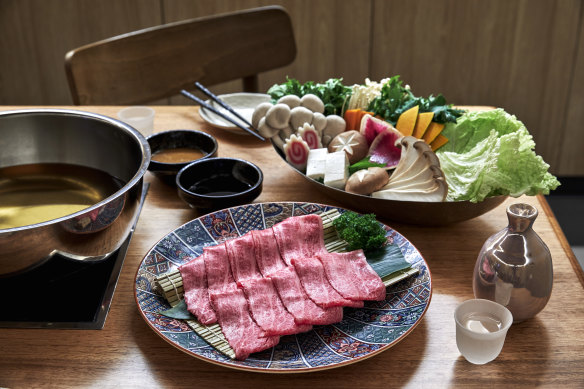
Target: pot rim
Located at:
point(138, 137)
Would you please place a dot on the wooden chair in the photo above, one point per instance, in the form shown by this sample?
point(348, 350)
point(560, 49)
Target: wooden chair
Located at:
point(157, 62)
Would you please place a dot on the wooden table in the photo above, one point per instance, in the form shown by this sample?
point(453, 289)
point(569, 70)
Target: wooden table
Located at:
point(547, 350)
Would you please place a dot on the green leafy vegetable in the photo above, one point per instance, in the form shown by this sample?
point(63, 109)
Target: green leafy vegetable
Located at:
point(395, 99)
point(332, 93)
point(360, 231)
point(290, 87)
point(179, 311)
point(491, 153)
point(393, 96)
point(364, 232)
point(365, 163)
point(387, 260)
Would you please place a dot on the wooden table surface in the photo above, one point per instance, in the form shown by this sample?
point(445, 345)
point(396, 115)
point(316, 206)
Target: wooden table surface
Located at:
point(547, 350)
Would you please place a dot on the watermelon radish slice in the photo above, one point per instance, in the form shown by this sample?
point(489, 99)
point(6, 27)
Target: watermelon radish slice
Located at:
point(371, 127)
point(383, 149)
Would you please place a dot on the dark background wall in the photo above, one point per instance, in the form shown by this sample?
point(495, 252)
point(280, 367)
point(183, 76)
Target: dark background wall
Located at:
point(526, 56)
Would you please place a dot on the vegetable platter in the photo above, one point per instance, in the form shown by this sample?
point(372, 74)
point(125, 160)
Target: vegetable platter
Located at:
point(376, 147)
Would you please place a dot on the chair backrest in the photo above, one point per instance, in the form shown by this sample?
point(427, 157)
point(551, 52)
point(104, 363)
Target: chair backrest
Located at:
point(155, 63)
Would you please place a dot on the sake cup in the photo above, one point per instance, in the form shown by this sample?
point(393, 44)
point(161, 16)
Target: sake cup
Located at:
point(481, 328)
point(141, 118)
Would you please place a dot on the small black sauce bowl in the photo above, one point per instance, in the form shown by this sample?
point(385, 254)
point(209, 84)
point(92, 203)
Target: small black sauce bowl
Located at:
point(174, 139)
point(216, 183)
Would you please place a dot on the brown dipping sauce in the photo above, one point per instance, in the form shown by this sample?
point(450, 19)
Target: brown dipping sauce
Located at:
point(178, 155)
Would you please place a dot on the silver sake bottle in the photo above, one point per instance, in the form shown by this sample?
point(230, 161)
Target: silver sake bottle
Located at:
point(514, 267)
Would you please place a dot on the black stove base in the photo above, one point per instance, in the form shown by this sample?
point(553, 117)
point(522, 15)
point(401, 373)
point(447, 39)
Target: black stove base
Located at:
point(62, 293)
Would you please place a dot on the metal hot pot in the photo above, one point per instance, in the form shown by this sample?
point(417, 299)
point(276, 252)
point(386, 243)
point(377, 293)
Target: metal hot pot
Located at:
point(47, 136)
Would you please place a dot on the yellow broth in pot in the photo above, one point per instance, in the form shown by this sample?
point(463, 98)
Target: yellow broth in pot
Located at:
point(35, 193)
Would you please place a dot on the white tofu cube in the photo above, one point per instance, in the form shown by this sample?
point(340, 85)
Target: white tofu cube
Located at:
point(336, 169)
point(315, 165)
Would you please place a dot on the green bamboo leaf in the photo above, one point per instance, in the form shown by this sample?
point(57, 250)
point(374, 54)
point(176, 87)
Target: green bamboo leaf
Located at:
point(387, 260)
point(179, 311)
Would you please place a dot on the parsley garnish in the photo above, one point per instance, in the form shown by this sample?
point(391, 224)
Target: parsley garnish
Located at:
point(360, 231)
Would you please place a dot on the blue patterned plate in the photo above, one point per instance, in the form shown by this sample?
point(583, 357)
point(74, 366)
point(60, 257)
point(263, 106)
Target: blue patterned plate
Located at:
point(362, 333)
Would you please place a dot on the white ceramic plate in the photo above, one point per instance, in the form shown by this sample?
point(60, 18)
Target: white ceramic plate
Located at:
point(243, 103)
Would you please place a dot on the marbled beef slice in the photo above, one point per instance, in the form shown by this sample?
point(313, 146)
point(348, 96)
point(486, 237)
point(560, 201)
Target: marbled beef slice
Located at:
point(267, 254)
point(218, 270)
point(296, 301)
point(313, 278)
point(268, 310)
point(196, 293)
point(299, 237)
point(242, 333)
point(241, 256)
point(351, 275)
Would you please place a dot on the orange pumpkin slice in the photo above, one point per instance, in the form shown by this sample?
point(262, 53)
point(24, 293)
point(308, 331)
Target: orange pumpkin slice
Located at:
point(422, 124)
point(438, 142)
point(432, 132)
point(407, 121)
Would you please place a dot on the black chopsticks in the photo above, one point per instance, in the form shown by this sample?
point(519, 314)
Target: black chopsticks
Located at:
point(217, 112)
point(223, 104)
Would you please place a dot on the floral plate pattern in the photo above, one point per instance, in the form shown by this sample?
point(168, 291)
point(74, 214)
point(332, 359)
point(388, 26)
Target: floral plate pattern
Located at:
point(362, 333)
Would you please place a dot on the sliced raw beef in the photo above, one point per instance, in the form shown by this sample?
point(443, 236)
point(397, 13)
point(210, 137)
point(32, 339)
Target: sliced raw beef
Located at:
point(315, 282)
point(351, 276)
point(284, 277)
point(242, 333)
point(241, 255)
point(194, 279)
point(267, 254)
point(296, 301)
point(299, 237)
point(267, 310)
point(219, 276)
